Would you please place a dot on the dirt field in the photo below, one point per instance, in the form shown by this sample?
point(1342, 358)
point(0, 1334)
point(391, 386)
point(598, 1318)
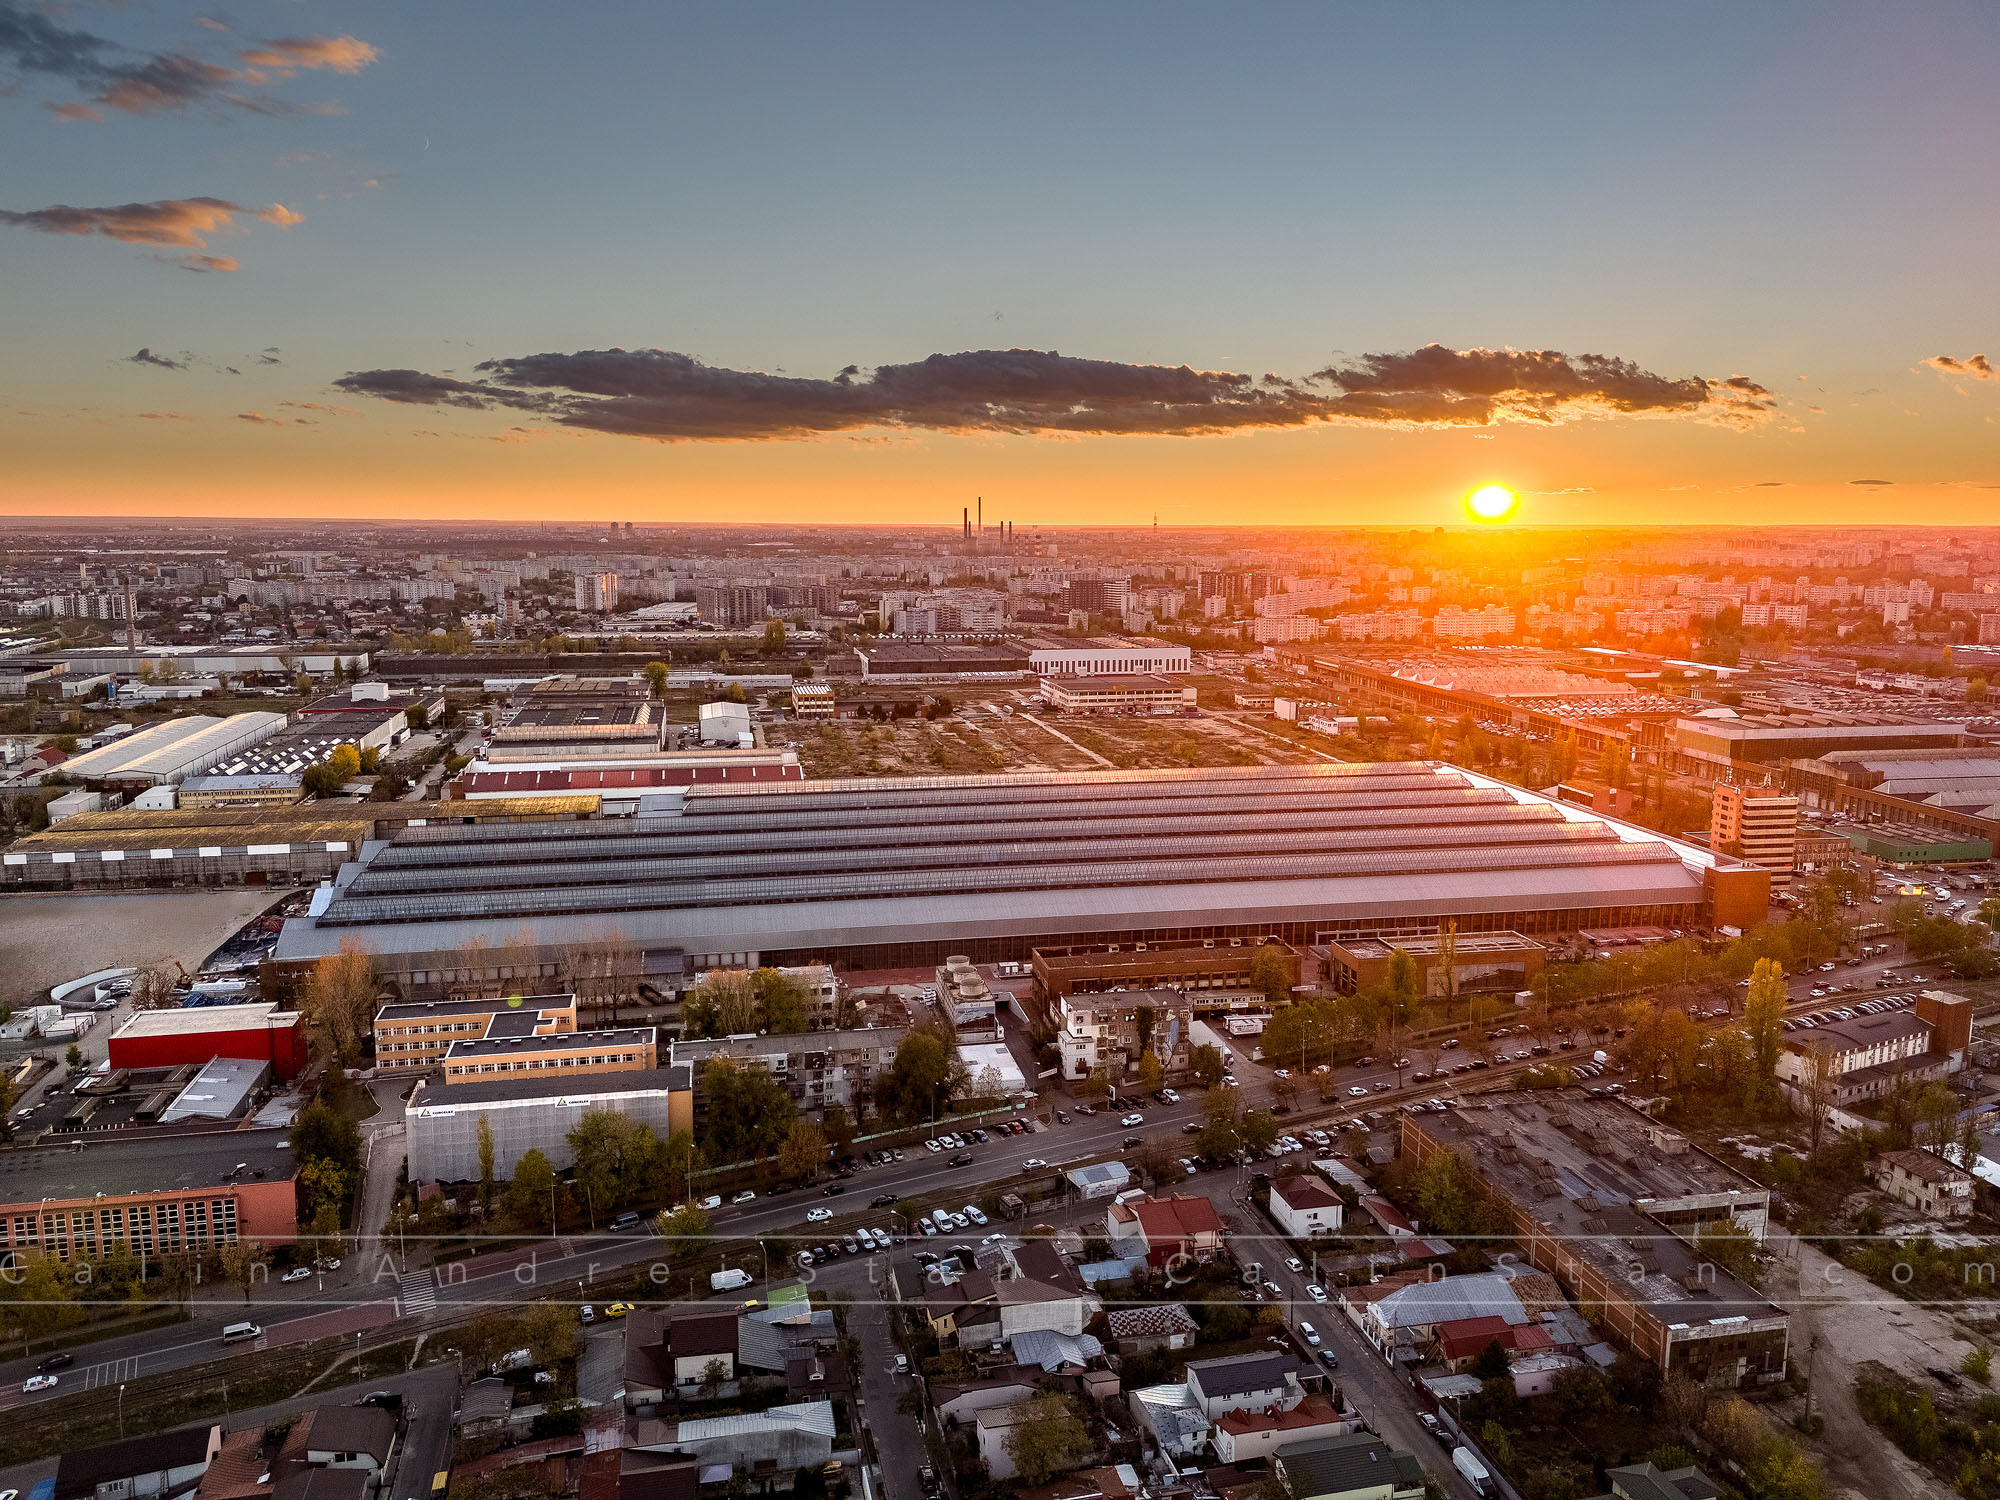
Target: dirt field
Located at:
point(1855, 1322)
point(47, 939)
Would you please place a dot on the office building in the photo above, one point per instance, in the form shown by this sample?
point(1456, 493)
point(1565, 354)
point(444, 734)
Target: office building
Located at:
point(1759, 824)
point(1447, 964)
point(415, 1037)
point(1138, 693)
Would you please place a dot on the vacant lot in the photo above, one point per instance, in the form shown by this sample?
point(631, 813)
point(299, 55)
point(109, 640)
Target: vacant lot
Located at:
point(47, 939)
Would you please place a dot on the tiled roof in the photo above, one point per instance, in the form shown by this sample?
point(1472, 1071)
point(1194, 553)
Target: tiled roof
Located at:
point(1160, 1320)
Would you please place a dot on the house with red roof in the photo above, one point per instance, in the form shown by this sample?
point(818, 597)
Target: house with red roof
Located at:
point(1241, 1436)
point(1162, 1228)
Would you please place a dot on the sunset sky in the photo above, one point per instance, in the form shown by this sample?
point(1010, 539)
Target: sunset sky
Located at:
point(1310, 263)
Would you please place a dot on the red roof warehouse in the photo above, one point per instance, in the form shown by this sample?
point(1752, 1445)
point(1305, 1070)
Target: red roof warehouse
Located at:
point(168, 1038)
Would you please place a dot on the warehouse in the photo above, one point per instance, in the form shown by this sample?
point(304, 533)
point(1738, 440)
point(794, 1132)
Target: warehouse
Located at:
point(173, 751)
point(534, 1114)
point(1136, 693)
point(904, 872)
point(259, 1031)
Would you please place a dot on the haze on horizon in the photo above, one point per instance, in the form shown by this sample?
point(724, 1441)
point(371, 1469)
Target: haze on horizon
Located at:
point(1098, 265)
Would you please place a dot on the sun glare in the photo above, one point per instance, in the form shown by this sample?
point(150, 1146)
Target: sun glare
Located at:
point(1492, 503)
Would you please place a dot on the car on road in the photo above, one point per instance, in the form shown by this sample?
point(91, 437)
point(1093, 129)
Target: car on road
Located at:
point(849, 1244)
point(883, 1200)
point(56, 1362)
point(619, 1309)
point(1356, 1091)
point(818, 1215)
point(1316, 1292)
point(36, 1383)
point(1062, 1117)
point(1132, 1119)
point(1281, 1072)
point(330, 1263)
point(625, 1221)
point(746, 1196)
point(1293, 1263)
point(963, 1159)
point(1329, 1359)
point(297, 1273)
point(1229, 1081)
point(832, 1190)
point(972, 1213)
point(1170, 1096)
point(1031, 1163)
point(1310, 1334)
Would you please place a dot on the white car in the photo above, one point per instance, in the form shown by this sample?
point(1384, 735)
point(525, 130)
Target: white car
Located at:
point(746, 1196)
point(1356, 1091)
point(36, 1383)
point(1281, 1072)
point(1316, 1292)
point(932, 1146)
point(1310, 1333)
point(1293, 1263)
point(1229, 1081)
point(818, 1215)
point(1032, 1162)
point(1133, 1119)
point(1170, 1096)
point(974, 1214)
point(297, 1273)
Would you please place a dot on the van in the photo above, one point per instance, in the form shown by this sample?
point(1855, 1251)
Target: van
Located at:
point(236, 1333)
point(626, 1220)
point(1130, 1195)
point(723, 1281)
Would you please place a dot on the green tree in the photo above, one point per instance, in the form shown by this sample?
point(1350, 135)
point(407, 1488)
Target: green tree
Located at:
point(531, 1196)
point(1206, 1065)
point(680, 1160)
point(1051, 1441)
point(549, 1330)
point(1764, 1016)
point(1258, 1130)
point(1149, 1071)
point(656, 674)
point(244, 1264)
point(1270, 973)
point(926, 1075)
point(1731, 1247)
point(1449, 1198)
point(326, 1145)
point(724, 1003)
point(73, 1059)
point(1978, 1363)
point(1401, 987)
point(612, 1155)
point(782, 998)
point(748, 1111)
point(774, 637)
point(840, 1128)
point(685, 1229)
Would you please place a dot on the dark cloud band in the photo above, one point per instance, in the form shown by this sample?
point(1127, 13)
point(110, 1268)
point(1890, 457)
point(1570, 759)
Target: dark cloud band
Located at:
point(655, 393)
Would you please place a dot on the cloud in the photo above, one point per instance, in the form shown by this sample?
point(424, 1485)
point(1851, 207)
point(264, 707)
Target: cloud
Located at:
point(1976, 368)
point(169, 221)
point(1872, 483)
point(1768, 484)
point(280, 215)
point(158, 361)
point(339, 411)
point(71, 110)
point(259, 418)
point(209, 23)
point(660, 394)
point(163, 82)
point(343, 54)
point(201, 263)
point(269, 357)
point(166, 416)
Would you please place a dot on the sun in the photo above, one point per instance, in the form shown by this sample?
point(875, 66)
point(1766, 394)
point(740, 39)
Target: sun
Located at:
point(1492, 504)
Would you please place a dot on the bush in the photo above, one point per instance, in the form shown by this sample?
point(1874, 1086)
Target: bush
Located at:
point(1905, 1413)
point(1979, 1365)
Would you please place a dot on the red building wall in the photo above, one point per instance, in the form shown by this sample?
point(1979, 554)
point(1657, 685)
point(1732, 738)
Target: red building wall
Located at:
point(284, 1048)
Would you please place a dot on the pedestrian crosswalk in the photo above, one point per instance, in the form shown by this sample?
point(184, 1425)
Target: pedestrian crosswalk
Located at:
point(418, 1294)
point(110, 1372)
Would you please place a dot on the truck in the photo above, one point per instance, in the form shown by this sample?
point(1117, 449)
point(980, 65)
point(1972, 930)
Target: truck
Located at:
point(729, 1279)
point(1467, 1463)
point(1600, 1057)
point(1245, 1025)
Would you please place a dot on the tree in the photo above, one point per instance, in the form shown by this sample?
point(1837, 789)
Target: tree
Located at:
point(1450, 1199)
point(748, 1111)
point(339, 1000)
point(808, 1483)
point(1488, 1362)
point(73, 1059)
point(685, 1229)
point(782, 998)
point(1206, 1065)
point(549, 1330)
point(531, 1195)
point(602, 969)
point(724, 1003)
point(485, 1164)
point(1764, 1016)
point(927, 1074)
point(1258, 1130)
point(1051, 1441)
point(323, 1239)
point(1402, 985)
point(656, 674)
point(840, 1128)
point(713, 1374)
point(1270, 973)
point(614, 1156)
point(153, 988)
point(680, 1160)
point(244, 1264)
point(326, 1144)
point(803, 1151)
point(1149, 1072)
point(774, 637)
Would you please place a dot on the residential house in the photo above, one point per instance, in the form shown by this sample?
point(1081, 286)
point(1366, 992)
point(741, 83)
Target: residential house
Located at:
point(1172, 1415)
point(958, 1400)
point(1112, 1029)
point(1646, 1482)
point(240, 1471)
point(1456, 1344)
point(966, 1310)
point(1043, 1294)
point(994, 1425)
point(1399, 1314)
point(767, 1445)
point(817, 1068)
point(1163, 1325)
point(1358, 1466)
point(1926, 1182)
point(342, 1437)
point(1304, 1206)
point(323, 1484)
point(1180, 1225)
point(1243, 1382)
point(1241, 1436)
point(142, 1468)
point(695, 1345)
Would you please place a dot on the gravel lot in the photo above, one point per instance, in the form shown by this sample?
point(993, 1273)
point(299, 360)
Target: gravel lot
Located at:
point(47, 939)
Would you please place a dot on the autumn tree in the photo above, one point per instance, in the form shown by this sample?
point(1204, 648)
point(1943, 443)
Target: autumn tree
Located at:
point(782, 1001)
point(802, 1153)
point(244, 1264)
point(339, 1000)
point(603, 970)
point(724, 1003)
point(485, 1130)
point(531, 1195)
point(1270, 973)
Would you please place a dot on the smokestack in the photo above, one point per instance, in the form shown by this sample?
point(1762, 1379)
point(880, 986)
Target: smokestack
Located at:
point(965, 511)
point(131, 617)
point(981, 500)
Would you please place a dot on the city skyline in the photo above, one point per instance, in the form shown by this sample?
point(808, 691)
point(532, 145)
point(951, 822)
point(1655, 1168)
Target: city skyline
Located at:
point(1719, 272)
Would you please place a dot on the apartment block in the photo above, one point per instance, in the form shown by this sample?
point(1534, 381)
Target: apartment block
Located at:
point(1759, 824)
